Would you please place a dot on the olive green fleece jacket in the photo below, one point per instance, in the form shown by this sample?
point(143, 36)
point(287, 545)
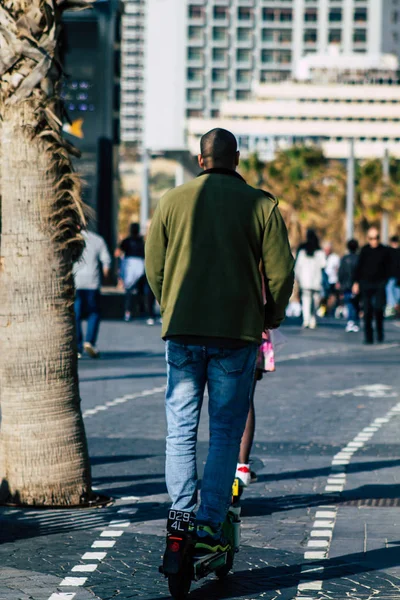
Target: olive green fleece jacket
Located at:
point(203, 253)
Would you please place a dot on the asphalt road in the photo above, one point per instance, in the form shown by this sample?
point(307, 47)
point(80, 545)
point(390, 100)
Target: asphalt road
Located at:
point(321, 522)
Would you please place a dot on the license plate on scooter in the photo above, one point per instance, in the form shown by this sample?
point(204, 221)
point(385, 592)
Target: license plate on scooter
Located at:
point(178, 521)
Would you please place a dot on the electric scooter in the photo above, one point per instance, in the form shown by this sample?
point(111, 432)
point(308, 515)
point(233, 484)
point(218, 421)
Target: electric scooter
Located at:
point(182, 564)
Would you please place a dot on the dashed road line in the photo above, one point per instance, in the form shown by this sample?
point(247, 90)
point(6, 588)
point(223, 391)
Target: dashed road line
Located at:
point(325, 517)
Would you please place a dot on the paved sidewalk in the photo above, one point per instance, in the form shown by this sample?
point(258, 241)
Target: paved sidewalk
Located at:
point(328, 389)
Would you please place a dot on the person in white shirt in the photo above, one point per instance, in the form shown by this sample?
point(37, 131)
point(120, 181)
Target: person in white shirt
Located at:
point(94, 262)
point(331, 283)
point(308, 271)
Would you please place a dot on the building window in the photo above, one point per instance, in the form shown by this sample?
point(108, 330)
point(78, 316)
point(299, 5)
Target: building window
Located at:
point(242, 95)
point(219, 54)
point(335, 15)
point(335, 36)
point(220, 34)
point(310, 36)
point(195, 33)
point(359, 36)
point(267, 56)
point(194, 74)
point(218, 75)
point(195, 12)
point(284, 57)
point(194, 114)
point(267, 35)
point(395, 16)
point(244, 13)
point(268, 14)
point(244, 34)
point(194, 95)
point(218, 96)
point(311, 15)
point(195, 53)
point(285, 36)
point(220, 12)
point(360, 15)
point(243, 55)
point(243, 76)
point(286, 15)
point(395, 37)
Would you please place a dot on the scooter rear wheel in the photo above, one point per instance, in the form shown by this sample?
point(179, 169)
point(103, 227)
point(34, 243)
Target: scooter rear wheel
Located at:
point(222, 572)
point(179, 584)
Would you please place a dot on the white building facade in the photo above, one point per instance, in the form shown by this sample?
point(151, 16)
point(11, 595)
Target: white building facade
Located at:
point(132, 71)
point(217, 50)
point(328, 115)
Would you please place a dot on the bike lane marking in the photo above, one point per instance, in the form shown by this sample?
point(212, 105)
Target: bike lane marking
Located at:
point(325, 517)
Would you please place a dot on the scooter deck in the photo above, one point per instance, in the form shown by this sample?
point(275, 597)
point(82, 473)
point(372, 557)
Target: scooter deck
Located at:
point(204, 564)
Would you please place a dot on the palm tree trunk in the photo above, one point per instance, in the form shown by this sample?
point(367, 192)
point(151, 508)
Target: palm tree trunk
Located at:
point(43, 449)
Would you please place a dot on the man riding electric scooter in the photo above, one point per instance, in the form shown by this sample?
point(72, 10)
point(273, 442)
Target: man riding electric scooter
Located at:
point(204, 249)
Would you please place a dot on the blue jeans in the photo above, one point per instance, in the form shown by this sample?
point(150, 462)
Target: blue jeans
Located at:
point(351, 305)
point(87, 304)
point(393, 293)
point(230, 376)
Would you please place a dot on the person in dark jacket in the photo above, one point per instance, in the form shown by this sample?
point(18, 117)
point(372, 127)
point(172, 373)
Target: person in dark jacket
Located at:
point(203, 253)
point(347, 269)
point(370, 279)
point(132, 249)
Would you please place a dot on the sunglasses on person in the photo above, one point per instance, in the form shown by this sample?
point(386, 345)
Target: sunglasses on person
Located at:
point(372, 238)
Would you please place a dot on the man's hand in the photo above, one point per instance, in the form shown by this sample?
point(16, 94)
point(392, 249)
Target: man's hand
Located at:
point(356, 289)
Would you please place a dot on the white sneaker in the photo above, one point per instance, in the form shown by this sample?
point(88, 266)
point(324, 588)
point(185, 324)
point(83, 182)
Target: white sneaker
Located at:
point(313, 323)
point(350, 326)
point(91, 350)
point(355, 329)
point(150, 321)
point(306, 324)
point(243, 473)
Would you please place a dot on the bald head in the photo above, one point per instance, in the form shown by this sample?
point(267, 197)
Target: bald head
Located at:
point(218, 149)
point(373, 237)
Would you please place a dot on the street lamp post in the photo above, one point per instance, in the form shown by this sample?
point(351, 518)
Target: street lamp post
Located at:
point(385, 213)
point(350, 192)
point(145, 199)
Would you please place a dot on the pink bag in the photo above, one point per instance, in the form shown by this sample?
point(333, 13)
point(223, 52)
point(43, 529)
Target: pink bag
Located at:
point(266, 354)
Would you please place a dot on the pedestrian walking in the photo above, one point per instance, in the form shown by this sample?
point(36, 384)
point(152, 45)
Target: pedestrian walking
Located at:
point(94, 262)
point(132, 250)
point(347, 271)
point(206, 242)
point(309, 267)
point(331, 298)
point(370, 279)
point(393, 289)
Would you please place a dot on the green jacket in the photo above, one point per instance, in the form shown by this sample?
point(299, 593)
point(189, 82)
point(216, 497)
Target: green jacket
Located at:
point(203, 253)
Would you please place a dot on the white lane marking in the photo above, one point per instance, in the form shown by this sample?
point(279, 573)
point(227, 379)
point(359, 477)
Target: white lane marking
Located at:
point(321, 533)
point(310, 585)
point(315, 555)
point(325, 519)
point(73, 581)
point(94, 556)
point(121, 400)
point(63, 596)
point(322, 523)
point(88, 568)
point(103, 544)
point(120, 523)
point(111, 533)
point(377, 390)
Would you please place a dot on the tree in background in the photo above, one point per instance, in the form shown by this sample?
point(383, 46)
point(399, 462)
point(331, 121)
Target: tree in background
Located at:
point(43, 453)
point(312, 192)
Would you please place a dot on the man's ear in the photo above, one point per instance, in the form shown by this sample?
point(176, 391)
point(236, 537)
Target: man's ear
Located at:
point(237, 158)
point(201, 161)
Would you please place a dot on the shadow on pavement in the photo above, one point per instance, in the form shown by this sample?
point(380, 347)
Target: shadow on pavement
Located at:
point(325, 471)
point(120, 377)
point(253, 507)
point(257, 581)
point(105, 460)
